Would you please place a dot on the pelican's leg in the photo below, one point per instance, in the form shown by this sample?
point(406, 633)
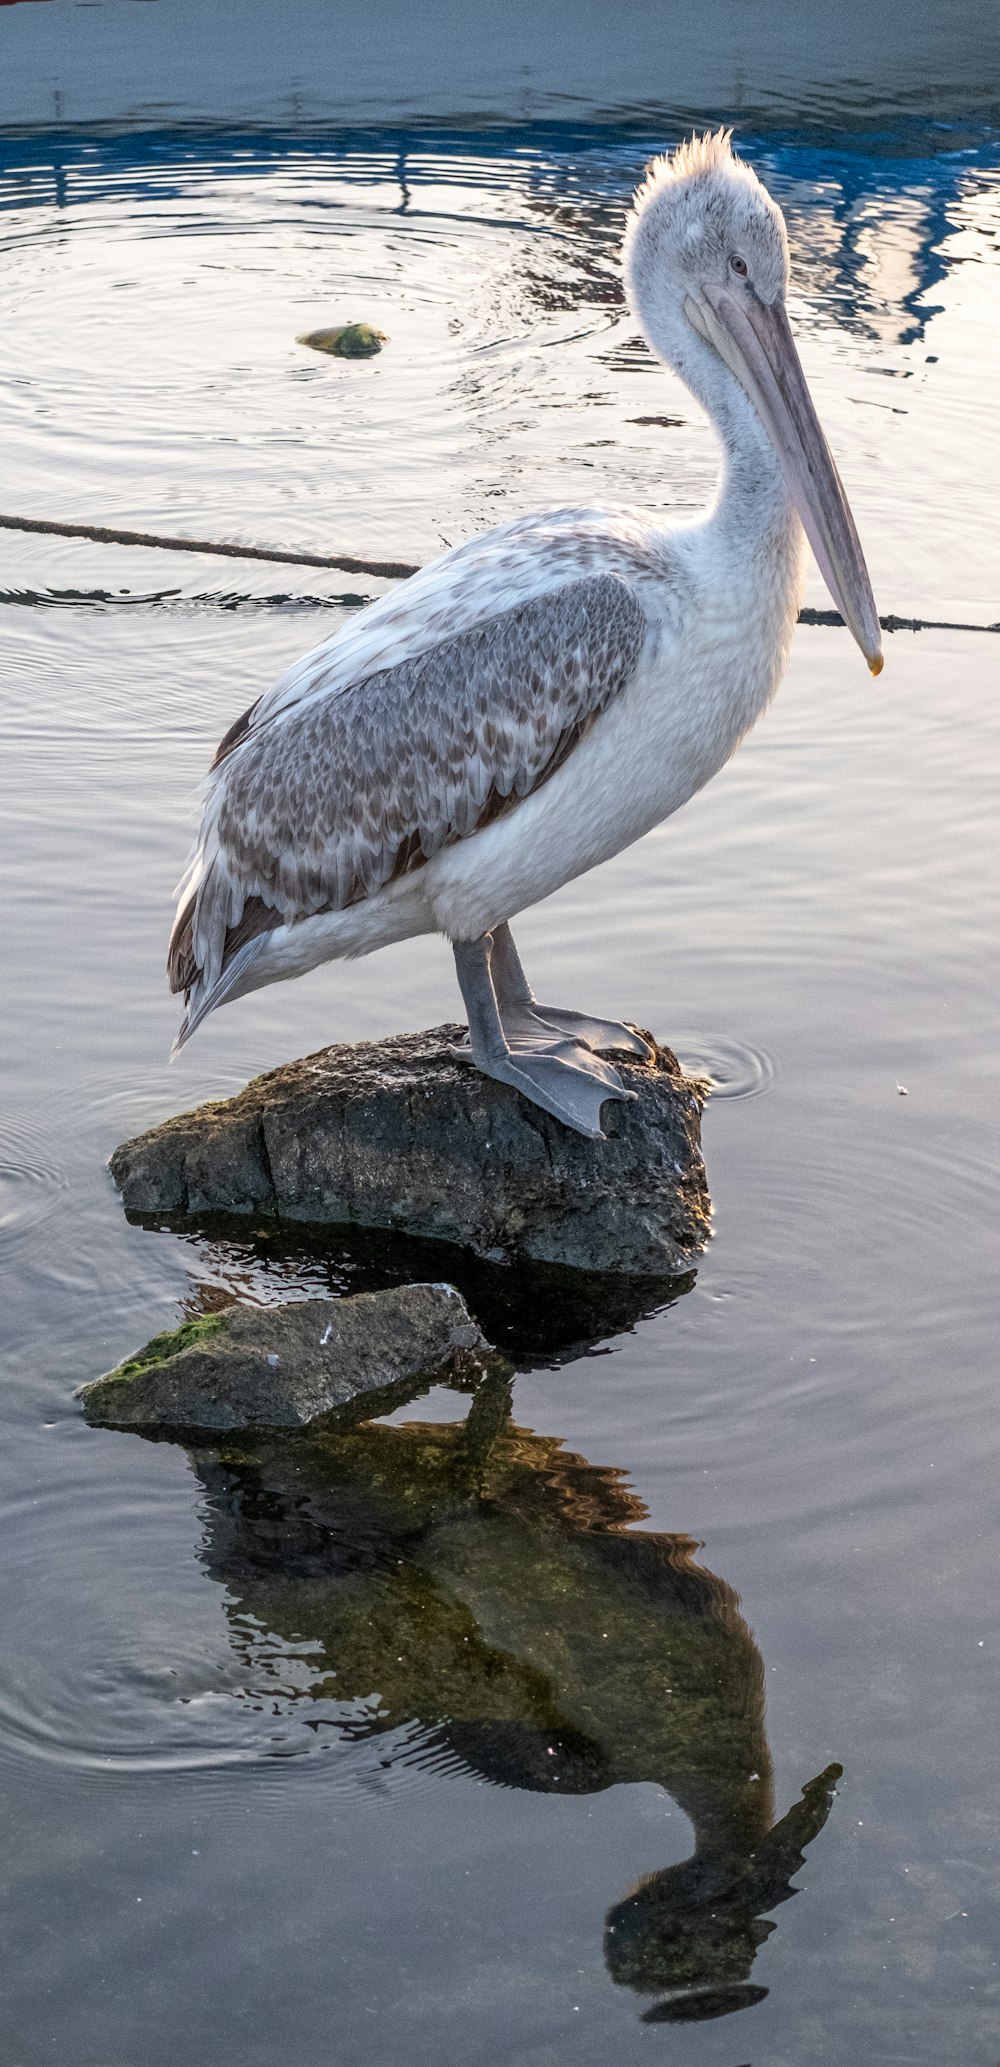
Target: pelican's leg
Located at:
point(563, 1079)
point(521, 1012)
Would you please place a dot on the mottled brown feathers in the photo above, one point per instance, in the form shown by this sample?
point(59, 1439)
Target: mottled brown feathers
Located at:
point(332, 798)
point(237, 731)
point(317, 807)
point(182, 966)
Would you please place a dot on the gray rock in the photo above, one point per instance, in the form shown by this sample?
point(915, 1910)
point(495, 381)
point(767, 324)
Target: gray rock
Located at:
point(400, 1134)
point(279, 1367)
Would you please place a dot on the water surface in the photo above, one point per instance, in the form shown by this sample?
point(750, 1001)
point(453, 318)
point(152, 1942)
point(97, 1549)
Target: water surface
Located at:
point(364, 1751)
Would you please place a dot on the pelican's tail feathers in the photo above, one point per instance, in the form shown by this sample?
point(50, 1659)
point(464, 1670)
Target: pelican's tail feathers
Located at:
point(203, 998)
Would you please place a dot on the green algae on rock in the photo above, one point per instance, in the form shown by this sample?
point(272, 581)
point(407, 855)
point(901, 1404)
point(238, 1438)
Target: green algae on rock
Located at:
point(190, 1335)
point(280, 1367)
point(346, 340)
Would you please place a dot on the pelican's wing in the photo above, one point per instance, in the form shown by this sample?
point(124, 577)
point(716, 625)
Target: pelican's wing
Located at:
point(330, 798)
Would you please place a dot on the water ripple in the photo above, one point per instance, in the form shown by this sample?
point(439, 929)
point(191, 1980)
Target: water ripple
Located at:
point(734, 1068)
point(31, 1179)
point(98, 1693)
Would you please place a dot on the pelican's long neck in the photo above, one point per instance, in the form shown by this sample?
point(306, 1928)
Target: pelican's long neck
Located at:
point(752, 498)
point(756, 532)
point(749, 548)
point(752, 501)
point(752, 507)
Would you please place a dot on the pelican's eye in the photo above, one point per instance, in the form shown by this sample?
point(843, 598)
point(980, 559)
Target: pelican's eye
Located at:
point(738, 265)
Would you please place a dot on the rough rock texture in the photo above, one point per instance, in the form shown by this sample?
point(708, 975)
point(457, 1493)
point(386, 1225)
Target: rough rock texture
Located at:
point(253, 1366)
point(401, 1134)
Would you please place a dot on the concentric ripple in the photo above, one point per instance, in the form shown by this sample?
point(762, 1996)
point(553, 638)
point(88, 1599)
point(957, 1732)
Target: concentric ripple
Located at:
point(31, 1180)
point(734, 1068)
point(98, 1690)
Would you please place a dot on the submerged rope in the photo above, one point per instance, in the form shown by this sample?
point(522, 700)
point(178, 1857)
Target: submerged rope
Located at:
point(892, 623)
point(348, 563)
point(387, 570)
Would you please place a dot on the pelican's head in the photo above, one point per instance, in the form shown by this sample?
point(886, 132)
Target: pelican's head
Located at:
point(706, 260)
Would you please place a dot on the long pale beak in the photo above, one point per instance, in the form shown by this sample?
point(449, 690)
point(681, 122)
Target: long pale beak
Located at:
point(755, 340)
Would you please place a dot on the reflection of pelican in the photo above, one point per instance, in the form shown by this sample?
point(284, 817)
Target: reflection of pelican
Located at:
point(536, 700)
point(478, 1581)
point(694, 1930)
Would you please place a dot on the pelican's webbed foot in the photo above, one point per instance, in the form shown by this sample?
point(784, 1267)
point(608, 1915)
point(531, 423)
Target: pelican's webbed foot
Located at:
point(570, 1089)
point(520, 1012)
point(554, 1073)
point(597, 1034)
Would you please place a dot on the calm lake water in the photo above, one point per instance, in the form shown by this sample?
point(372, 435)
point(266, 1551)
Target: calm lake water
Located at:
point(310, 1751)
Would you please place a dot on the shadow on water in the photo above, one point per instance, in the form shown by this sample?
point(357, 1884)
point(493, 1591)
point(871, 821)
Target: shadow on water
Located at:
point(493, 1601)
point(538, 1315)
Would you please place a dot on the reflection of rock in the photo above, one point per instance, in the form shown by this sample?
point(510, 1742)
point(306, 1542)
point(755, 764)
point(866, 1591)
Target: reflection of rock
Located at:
point(479, 1582)
point(538, 1314)
point(400, 1134)
point(281, 1366)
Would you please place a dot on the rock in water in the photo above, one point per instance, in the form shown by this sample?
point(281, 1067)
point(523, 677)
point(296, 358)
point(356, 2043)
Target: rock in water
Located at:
point(346, 340)
point(401, 1134)
point(279, 1367)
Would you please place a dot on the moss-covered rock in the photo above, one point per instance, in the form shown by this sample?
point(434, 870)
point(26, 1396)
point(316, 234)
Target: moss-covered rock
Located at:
point(252, 1366)
point(401, 1134)
point(346, 340)
point(189, 1335)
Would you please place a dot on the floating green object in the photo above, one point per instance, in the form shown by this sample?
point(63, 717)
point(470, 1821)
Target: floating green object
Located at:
point(347, 341)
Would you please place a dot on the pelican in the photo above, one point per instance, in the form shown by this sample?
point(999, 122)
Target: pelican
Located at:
point(532, 702)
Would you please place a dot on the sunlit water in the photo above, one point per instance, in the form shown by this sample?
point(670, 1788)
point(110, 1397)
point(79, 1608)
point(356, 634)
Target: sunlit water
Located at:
point(348, 1755)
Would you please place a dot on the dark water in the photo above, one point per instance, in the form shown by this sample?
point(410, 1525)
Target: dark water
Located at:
point(367, 1749)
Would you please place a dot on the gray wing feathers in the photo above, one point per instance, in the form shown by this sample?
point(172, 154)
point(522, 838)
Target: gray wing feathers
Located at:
point(328, 801)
